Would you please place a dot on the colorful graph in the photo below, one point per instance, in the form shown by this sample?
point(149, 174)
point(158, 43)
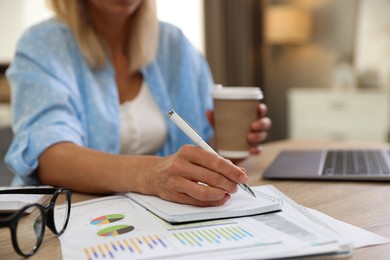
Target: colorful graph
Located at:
point(173, 243)
point(212, 236)
point(128, 247)
point(106, 219)
point(115, 230)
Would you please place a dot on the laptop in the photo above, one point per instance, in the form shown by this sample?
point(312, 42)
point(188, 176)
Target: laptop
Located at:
point(362, 164)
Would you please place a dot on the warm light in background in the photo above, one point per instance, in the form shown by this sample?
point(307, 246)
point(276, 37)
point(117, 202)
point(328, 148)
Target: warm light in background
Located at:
point(17, 15)
point(287, 24)
point(188, 16)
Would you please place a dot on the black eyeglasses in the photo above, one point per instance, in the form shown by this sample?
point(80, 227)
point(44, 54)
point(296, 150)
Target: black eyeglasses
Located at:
point(27, 225)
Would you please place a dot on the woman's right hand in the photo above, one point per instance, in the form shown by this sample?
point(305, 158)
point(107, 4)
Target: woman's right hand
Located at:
point(195, 176)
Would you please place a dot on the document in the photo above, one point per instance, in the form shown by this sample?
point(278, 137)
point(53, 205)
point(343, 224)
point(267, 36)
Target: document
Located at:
point(240, 204)
point(117, 227)
point(358, 236)
point(13, 202)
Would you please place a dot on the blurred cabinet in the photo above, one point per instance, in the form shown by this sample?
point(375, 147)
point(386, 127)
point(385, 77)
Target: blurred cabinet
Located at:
point(5, 98)
point(5, 115)
point(331, 115)
point(5, 93)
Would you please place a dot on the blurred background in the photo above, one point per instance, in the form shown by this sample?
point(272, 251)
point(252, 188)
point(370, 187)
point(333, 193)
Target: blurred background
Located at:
point(323, 65)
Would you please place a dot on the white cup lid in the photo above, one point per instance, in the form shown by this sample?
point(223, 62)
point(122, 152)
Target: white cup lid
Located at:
point(220, 92)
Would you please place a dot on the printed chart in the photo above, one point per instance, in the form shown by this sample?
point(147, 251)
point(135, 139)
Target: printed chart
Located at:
point(115, 230)
point(106, 219)
point(115, 227)
point(212, 236)
point(178, 242)
point(126, 247)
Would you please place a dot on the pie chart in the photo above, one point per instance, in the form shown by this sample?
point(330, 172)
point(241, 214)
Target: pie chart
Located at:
point(107, 219)
point(115, 230)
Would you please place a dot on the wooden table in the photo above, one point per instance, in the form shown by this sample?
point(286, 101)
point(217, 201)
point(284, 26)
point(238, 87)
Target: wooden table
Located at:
point(363, 204)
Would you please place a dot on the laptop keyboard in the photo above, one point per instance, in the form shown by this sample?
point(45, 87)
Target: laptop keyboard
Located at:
point(363, 162)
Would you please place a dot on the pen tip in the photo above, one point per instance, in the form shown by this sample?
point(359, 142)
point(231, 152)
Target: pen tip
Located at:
point(170, 113)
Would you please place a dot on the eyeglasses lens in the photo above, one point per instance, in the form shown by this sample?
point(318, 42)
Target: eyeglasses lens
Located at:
point(61, 211)
point(29, 229)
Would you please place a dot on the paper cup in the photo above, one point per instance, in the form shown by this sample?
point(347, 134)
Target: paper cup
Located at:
point(235, 109)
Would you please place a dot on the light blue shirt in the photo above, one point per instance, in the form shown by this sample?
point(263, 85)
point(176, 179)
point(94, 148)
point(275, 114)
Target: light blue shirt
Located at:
point(57, 97)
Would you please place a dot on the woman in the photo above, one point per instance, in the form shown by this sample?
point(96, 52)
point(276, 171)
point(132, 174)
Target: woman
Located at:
point(90, 90)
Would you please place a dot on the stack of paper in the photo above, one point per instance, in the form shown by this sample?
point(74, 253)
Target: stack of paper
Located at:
point(117, 227)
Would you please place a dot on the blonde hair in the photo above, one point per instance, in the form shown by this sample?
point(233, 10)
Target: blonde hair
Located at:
point(142, 40)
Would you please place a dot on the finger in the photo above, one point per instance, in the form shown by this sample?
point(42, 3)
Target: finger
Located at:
point(222, 166)
point(257, 138)
point(262, 110)
point(210, 117)
point(256, 150)
point(198, 173)
point(200, 192)
point(184, 198)
point(218, 164)
point(203, 192)
point(262, 124)
point(193, 163)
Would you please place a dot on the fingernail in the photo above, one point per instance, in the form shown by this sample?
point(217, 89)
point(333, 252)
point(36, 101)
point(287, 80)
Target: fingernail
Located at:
point(243, 179)
point(243, 169)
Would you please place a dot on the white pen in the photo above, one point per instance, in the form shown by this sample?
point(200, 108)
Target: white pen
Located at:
point(195, 137)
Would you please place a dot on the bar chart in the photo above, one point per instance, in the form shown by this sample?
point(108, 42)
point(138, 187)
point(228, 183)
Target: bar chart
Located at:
point(177, 242)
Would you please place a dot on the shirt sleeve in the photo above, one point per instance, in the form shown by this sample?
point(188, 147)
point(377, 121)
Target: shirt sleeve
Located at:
point(45, 101)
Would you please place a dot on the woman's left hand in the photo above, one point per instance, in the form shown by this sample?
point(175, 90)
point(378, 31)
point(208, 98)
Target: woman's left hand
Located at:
point(259, 130)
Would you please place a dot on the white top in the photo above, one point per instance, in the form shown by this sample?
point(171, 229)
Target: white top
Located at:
point(143, 126)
